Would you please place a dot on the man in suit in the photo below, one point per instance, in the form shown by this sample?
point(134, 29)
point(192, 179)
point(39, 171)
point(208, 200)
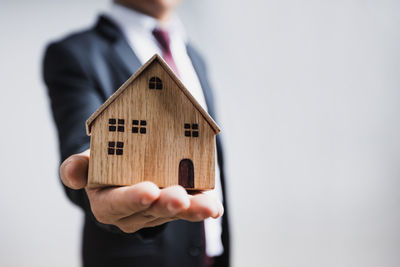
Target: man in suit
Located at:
point(139, 225)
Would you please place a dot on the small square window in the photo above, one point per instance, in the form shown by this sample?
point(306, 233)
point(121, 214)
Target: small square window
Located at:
point(112, 127)
point(191, 129)
point(136, 128)
point(111, 148)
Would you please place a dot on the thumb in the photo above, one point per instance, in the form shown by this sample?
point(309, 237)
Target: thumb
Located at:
point(74, 170)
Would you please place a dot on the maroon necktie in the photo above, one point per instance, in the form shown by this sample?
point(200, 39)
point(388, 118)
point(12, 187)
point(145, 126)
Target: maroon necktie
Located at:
point(162, 37)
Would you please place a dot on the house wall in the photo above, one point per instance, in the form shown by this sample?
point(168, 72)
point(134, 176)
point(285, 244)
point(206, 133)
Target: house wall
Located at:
point(153, 156)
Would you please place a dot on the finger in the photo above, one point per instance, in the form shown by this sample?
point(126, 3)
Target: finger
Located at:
point(202, 206)
point(73, 170)
point(172, 201)
point(114, 203)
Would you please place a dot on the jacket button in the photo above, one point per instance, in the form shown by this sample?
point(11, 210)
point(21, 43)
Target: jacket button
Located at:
point(194, 251)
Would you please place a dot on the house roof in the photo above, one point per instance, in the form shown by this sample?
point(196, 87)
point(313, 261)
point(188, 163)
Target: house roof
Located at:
point(123, 87)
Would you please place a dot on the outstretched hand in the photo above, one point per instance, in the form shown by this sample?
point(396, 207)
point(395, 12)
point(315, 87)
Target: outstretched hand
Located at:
point(134, 207)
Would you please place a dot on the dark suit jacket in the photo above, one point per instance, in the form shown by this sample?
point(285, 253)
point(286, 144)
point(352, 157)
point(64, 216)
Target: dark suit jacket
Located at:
point(81, 72)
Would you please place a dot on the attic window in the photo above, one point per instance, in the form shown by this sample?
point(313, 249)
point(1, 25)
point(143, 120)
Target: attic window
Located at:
point(191, 130)
point(155, 83)
point(115, 148)
point(139, 126)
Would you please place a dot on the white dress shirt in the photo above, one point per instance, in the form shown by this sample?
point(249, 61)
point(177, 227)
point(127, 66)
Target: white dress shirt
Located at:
point(137, 28)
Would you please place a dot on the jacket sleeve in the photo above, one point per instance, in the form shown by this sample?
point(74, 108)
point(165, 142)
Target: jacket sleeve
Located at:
point(74, 96)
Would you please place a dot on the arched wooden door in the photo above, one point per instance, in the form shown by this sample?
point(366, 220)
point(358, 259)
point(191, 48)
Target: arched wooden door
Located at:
point(186, 173)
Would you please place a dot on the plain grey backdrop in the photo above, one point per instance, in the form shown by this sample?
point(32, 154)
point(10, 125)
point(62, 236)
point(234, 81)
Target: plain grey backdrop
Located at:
point(309, 104)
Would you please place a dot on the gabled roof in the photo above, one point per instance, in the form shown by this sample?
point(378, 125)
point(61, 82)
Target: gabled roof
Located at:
point(126, 84)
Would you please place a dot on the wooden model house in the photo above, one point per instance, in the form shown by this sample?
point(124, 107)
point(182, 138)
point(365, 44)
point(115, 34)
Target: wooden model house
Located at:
point(152, 129)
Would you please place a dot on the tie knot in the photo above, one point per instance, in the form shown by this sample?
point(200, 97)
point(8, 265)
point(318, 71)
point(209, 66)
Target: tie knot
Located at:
point(162, 37)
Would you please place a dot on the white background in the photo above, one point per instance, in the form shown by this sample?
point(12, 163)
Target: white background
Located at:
point(309, 103)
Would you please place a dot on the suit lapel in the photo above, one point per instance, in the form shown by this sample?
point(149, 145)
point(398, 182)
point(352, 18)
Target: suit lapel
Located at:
point(123, 53)
point(121, 56)
point(201, 74)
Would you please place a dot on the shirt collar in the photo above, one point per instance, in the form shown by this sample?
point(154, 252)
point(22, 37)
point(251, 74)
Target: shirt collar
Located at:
point(131, 20)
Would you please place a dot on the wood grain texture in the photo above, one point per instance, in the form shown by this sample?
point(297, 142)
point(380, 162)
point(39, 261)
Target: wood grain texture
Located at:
point(156, 154)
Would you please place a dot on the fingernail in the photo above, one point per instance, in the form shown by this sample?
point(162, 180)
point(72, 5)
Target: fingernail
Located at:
point(68, 161)
point(64, 173)
point(65, 164)
point(72, 183)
